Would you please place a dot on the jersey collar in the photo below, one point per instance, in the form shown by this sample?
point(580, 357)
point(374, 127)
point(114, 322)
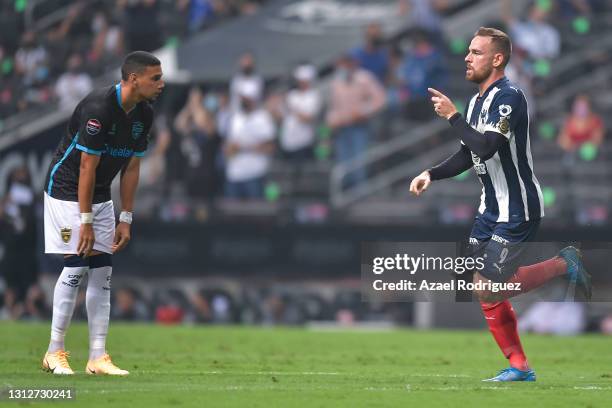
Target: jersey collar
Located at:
point(493, 85)
point(118, 93)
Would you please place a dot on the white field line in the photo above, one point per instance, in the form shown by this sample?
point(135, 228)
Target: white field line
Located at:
point(278, 387)
point(298, 373)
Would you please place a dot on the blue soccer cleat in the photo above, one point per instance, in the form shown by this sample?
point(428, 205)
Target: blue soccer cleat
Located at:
point(513, 374)
point(576, 273)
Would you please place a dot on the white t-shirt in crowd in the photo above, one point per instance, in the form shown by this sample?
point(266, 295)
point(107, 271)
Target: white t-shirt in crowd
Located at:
point(296, 134)
point(248, 130)
point(238, 82)
point(71, 88)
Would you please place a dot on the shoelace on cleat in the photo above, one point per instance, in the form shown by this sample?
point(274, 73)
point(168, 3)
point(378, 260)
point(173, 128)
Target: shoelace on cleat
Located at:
point(62, 357)
point(108, 362)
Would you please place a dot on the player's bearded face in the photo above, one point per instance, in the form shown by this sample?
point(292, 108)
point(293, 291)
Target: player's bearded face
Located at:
point(479, 60)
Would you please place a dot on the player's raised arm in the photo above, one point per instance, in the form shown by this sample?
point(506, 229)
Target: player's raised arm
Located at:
point(443, 106)
point(87, 181)
point(484, 145)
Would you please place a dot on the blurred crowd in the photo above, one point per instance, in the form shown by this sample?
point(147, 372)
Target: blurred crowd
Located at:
point(52, 50)
point(226, 137)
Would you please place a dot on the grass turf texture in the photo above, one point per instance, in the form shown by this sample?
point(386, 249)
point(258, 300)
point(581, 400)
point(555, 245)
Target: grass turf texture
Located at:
point(242, 366)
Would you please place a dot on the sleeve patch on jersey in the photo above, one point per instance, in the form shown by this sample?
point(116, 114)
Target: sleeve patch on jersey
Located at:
point(505, 110)
point(93, 127)
point(503, 125)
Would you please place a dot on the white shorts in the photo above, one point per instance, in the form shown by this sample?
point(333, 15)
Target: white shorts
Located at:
point(63, 223)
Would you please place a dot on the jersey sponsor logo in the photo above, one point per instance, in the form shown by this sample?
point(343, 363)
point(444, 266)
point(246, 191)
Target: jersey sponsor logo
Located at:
point(66, 234)
point(499, 239)
point(137, 129)
point(93, 127)
point(118, 152)
point(474, 241)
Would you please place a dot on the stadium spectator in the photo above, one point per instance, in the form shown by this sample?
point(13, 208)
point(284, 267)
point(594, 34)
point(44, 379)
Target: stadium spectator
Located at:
point(129, 306)
point(581, 125)
point(108, 43)
point(302, 105)
point(199, 13)
point(73, 33)
point(141, 24)
point(31, 60)
point(10, 94)
point(153, 165)
point(199, 143)
point(520, 71)
point(570, 9)
point(423, 67)
point(356, 96)
point(74, 84)
point(219, 103)
point(246, 75)
point(248, 146)
point(425, 15)
point(558, 318)
point(535, 35)
point(374, 56)
point(23, 296)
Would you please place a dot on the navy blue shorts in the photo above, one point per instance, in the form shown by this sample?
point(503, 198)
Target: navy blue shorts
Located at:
point(503, 246)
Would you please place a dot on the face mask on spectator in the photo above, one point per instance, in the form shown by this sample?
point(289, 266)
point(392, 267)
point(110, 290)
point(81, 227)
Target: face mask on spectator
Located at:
point(211, 103)
point(245, 105)
point(42, 73)
point(343, 74)
point(98, 24)
point(581, 109)
point(376, 42)
point(248, 70)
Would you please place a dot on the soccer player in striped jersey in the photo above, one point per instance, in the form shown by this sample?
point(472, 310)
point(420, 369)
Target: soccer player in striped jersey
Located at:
point(494, 137)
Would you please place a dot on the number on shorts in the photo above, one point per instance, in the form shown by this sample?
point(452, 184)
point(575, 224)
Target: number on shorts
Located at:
point(503, 255)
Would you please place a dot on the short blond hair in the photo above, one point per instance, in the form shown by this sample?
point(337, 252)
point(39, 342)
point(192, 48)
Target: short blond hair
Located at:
point(499, 39)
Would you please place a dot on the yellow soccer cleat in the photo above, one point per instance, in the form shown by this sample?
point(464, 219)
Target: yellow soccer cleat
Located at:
point(104, 366)
point(57, 363)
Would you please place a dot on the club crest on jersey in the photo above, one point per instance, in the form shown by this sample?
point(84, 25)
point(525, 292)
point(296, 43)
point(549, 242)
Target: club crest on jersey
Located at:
point(137, 129)
point(93, 127)
point(504, 125)
point(483, 115)
point(66, 233)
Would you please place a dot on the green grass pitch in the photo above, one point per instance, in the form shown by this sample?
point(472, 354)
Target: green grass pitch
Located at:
point(208, 366)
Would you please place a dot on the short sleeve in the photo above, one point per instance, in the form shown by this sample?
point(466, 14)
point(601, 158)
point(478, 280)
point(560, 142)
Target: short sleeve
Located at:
point(505, 111)
point(92, 130)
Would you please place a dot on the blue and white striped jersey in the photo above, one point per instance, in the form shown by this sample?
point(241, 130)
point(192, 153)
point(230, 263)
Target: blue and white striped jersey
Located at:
point(510, 189)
